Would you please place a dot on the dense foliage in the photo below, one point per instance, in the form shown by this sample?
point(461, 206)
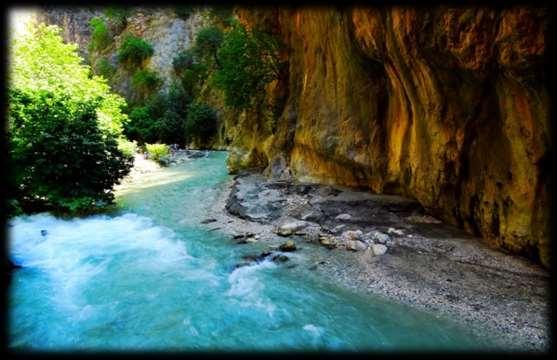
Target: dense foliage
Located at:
point(104, 68)
point(100, 35)
point(117, 17)
point(248, 61)
point(60, 158)
point(63, 127)
point(207, 43)
point(134, 51)
point(145, 81)
point(161, 119)
point(190, 70)
point(157, 151)
point(201, 122)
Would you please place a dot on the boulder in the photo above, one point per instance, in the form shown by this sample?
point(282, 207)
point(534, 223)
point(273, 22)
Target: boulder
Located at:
point(291, 227)
point(355, 245)
point(351, 235)
point(289, 245)
point(378, 249)
point(328, 241)
point(378, 237)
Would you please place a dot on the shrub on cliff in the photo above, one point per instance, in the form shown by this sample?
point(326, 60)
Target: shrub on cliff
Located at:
point(201, 123)
point(104, 68)
point(190, 70)
point(207, 43)
point(145, 82)
point(134, 51)
point(117, 18)
point(100, 35)
point(63, 126)
point(248, 61)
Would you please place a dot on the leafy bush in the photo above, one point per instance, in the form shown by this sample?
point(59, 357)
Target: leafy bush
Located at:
point(248, 62)
point(157, 151)
point(201, 122)
point(161, 119)
point(207, 42)
point(117, 17)
point(40, 60)
point(146, 81)
point(100, 36)
point(105, 68)
point(190, 70)
point(134, 51)
point(62, 127)
point(141, 126)
point(60, 159)
point(128, 148)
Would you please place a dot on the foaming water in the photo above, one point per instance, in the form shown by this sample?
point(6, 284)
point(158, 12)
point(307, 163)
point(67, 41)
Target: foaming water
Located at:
point(150, 278)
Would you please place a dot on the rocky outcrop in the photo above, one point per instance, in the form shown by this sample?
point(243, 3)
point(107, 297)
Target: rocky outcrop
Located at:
point(445, 105)
point(161, 27)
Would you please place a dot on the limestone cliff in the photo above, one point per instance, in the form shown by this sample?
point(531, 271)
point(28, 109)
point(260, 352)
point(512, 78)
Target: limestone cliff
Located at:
point(160, 26)
point(445, 105)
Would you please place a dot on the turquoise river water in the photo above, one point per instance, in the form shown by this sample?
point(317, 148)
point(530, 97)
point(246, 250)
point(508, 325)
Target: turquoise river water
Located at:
point(149, 277)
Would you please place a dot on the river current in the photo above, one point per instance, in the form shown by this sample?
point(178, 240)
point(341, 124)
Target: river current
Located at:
point(149, 277)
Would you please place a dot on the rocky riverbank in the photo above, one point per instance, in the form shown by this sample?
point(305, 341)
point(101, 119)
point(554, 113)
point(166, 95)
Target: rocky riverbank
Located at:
point(388, 246)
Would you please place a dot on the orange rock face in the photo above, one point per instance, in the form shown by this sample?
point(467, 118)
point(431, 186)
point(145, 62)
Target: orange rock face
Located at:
point(445, 105)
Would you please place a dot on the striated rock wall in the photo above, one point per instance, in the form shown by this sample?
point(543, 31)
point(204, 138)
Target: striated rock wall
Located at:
point(161, 27)
point(445, 105)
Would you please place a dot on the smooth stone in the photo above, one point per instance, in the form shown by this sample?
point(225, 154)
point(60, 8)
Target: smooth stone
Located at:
point(289, 228)
point(395, 231)
point(343, 217)
point(378, 249)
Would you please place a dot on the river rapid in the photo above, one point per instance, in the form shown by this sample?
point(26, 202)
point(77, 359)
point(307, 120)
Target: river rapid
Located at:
point(150, 277)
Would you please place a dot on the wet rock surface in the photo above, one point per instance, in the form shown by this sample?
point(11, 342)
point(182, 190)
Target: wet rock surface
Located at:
point(389, 246)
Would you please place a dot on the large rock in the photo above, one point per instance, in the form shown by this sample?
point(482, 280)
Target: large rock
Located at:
point(291, 227)
point(289, 245)
point(378, 249)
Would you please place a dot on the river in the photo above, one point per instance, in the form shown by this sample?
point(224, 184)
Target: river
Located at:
point(149, 277)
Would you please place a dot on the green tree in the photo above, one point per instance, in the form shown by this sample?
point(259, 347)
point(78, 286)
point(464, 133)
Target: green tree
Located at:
point(60, 159)
point(201, 123)
point(248, 62)
point(41, 60)
point(207, 43)
point(134, 51)
point(145, 82)
point(63, 127)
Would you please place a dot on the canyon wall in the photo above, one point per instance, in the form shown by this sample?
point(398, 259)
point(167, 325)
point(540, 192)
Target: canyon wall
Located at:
point(449, 106)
